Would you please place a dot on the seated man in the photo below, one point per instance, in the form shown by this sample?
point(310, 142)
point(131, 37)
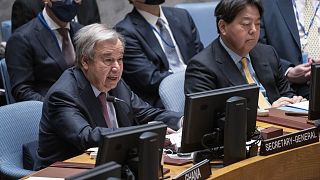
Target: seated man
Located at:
point(159, 41)
point(76, 112)
point(39, 51)
point(25, 10)
point(235, 58)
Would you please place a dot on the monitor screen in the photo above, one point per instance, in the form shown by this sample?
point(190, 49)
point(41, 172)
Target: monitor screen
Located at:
point(107, 171)
point(138, 147)
point(204, 109)
point(314, 99)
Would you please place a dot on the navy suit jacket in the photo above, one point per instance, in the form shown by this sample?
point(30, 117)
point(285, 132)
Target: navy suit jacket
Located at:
point(279, 29)
point(72, 120)
point(145, 63)
point(213, 68)
point(34, 60)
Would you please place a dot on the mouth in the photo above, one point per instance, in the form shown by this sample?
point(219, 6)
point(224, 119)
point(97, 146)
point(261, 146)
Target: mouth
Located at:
point(113, 78)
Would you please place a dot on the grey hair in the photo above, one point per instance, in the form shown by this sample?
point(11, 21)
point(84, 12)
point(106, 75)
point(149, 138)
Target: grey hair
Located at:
point(86, 38)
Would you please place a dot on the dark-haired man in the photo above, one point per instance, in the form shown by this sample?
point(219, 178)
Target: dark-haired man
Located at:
point(159, 41)
point(235, 58)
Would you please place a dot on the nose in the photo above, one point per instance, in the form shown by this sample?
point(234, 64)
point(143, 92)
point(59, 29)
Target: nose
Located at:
point(254, 28)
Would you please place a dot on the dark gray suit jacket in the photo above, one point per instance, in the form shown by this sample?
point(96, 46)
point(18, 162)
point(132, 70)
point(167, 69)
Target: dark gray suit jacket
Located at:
point(213, 68)
point(145, 63)
point(34, 60)
point(279, 29)
point(72, 119)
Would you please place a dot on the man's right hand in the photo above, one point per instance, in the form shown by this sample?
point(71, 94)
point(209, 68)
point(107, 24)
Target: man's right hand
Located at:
point(299, 74)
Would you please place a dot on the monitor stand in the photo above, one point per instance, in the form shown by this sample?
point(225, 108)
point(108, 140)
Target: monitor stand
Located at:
point(235, 130)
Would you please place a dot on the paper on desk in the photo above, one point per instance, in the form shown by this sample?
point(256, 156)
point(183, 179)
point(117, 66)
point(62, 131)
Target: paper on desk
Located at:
point(43, 178)
point(175, 138)
point(301, 105)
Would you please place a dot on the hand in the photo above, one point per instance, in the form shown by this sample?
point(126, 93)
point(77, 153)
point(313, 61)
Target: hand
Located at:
point(300, 73)
point(170, 131)
point(283, 101)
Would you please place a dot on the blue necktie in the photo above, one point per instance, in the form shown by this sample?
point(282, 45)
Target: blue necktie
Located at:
point(174, 63)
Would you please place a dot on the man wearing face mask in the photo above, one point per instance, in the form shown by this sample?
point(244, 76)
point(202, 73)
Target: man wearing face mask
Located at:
point(39, 51)
point(159, 41)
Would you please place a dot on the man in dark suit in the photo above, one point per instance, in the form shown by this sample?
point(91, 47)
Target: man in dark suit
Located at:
point(147, 58)
point(34, 53)
point(25, 10)
point(279, 28)
point(220, 64)
point(73, 117)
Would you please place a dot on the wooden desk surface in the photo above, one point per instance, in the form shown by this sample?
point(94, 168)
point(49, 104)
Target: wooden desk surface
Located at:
point(298, 163)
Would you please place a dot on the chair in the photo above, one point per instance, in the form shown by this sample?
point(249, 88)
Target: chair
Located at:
point(6, 82)
point(19, 124)
point(171, 91)
point(203, 16)
point(6, 30)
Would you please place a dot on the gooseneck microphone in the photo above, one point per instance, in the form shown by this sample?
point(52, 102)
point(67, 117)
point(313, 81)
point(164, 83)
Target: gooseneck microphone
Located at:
point(114, 99)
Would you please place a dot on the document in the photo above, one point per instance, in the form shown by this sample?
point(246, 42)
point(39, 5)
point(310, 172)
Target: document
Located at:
point(301, 105)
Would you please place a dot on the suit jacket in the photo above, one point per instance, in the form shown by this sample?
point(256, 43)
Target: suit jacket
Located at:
point(279, 29)
point(213, 68)
point(72, 119)
point(25, 10)
point(34, 60)
point(145, 63)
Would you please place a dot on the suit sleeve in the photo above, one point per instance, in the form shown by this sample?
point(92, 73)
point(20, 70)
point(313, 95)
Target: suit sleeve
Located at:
point(144, 113)
point(199, 77)
point(20, 68)
point(71, 122)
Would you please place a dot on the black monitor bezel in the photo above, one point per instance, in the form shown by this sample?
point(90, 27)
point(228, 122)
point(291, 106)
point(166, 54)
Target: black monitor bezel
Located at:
point(191, 127)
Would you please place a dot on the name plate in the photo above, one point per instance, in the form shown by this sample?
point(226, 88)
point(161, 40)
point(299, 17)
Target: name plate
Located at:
point(289, 141)
point(201, 170)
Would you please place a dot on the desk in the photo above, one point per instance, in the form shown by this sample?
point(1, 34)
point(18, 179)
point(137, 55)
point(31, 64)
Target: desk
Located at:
point(298, 163)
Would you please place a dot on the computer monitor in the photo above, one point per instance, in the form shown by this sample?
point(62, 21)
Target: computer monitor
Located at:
point(314, 98)
point(204, 113)
point(107, 171)
point(138, 147)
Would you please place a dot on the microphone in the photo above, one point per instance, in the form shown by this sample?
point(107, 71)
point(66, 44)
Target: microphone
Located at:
point(114, 99)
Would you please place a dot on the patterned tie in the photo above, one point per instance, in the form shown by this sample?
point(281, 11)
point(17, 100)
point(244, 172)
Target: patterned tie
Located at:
point(313, 47)
point(67, 47)
point(262, 102)
point(175, 64)
point(103, 101)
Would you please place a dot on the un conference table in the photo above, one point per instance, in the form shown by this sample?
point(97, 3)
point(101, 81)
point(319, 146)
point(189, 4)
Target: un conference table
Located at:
point(298, 163)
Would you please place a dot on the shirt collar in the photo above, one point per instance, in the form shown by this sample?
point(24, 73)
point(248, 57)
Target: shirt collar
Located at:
point(152, 19)
point(51, 24)
point(95, 90)
point(235, 57)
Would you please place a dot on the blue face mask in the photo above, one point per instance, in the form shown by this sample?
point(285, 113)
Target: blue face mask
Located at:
point(154, 2)
point(64, 10)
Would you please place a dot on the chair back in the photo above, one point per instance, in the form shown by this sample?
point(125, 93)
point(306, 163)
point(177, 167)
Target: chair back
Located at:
point(5, 30)
point(171, 91)
point(202, 14)
point(19, 124)
point(6, 82)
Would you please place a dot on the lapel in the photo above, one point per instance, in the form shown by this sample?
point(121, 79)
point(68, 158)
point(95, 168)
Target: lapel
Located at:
point(288, 14)
point(145, 30)
point(226, 64)
point(91, 102)
point(176, 29)
point(261, 67)
point(48, 42)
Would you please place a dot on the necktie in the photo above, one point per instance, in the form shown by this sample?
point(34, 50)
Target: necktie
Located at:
point(67, 47)
point(313, 47)
point(103, 101)
point(175, 64)
point(262, 102)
